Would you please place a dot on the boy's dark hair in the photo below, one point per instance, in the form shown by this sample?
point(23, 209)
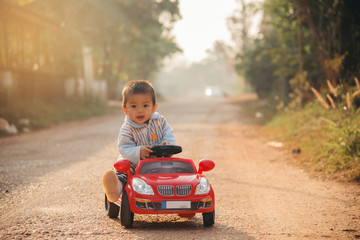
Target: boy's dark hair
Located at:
point(137, 87)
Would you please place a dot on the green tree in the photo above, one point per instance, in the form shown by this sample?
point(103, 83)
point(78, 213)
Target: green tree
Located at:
point(271, 60)
point(302, 43)
point(129, 38)
point(335, 30)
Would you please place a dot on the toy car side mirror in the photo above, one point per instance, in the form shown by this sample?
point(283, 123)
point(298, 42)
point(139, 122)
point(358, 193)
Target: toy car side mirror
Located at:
point(205, 165)
point(123, 166)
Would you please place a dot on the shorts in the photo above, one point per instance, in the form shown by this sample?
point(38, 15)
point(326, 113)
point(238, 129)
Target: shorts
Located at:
point(123, 176)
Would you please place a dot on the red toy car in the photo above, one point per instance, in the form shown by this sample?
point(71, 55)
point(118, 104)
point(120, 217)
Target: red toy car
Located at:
point(164, 185)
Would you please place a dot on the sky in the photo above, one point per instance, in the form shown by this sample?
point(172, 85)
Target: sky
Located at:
point(203, 22)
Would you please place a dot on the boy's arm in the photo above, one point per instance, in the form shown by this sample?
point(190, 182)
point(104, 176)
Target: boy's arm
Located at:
point(128, 149)
point(168, 135)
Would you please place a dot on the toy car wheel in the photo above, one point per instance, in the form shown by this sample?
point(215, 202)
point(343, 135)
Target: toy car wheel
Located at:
point(126, 215)
point(111, 208)
point(209, 218)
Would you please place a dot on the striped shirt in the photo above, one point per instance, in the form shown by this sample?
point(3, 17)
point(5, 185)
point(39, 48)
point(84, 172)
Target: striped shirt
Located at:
point(133, 136)
point(150, 134)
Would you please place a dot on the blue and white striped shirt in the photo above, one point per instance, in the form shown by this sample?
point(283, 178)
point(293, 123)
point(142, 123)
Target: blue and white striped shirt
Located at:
point(133, 136)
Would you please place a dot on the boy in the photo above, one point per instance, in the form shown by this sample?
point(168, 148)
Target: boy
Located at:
point(142, 128)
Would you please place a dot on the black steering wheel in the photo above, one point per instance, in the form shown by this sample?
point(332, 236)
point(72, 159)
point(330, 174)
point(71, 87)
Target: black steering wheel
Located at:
point(165, 150)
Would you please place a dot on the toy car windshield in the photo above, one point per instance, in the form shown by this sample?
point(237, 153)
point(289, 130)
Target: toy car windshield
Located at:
point(166, 167)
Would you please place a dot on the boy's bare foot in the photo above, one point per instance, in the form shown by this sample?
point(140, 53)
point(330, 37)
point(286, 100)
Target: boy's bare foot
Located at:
point(110, 184)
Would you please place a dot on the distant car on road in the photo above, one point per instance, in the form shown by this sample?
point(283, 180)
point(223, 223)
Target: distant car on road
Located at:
point(213, 91)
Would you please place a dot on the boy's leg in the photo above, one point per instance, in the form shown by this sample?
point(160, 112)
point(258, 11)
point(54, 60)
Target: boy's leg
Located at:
point(112, 186)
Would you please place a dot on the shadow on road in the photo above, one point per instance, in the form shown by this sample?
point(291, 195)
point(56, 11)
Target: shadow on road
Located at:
point(177, 229)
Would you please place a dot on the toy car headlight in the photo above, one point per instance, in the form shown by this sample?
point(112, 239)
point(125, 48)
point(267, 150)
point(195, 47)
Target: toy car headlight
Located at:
point(140, 186)
point(203, 187)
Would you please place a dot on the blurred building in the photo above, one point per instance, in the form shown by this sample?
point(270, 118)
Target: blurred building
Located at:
point(37, 59)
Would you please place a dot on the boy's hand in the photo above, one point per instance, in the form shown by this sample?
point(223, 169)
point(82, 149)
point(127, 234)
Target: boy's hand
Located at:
point(165, 143)
point(145, 152)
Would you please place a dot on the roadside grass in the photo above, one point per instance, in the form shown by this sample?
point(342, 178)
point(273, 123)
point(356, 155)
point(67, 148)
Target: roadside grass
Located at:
point(46, 114)
point(329, 140)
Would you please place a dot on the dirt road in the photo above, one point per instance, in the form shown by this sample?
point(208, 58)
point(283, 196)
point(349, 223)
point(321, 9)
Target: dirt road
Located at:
point(50, 183)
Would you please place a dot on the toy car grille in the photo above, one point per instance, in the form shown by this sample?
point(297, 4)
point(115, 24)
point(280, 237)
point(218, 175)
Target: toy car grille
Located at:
point(166, 190)
point(183, 190)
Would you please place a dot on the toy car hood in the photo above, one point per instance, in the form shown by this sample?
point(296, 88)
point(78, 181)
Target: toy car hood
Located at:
point(170, 178)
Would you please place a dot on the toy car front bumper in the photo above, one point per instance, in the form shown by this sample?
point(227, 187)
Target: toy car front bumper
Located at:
point(145, 206)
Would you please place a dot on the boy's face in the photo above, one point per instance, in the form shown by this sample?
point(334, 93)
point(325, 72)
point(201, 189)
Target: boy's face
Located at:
point(139, 108)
